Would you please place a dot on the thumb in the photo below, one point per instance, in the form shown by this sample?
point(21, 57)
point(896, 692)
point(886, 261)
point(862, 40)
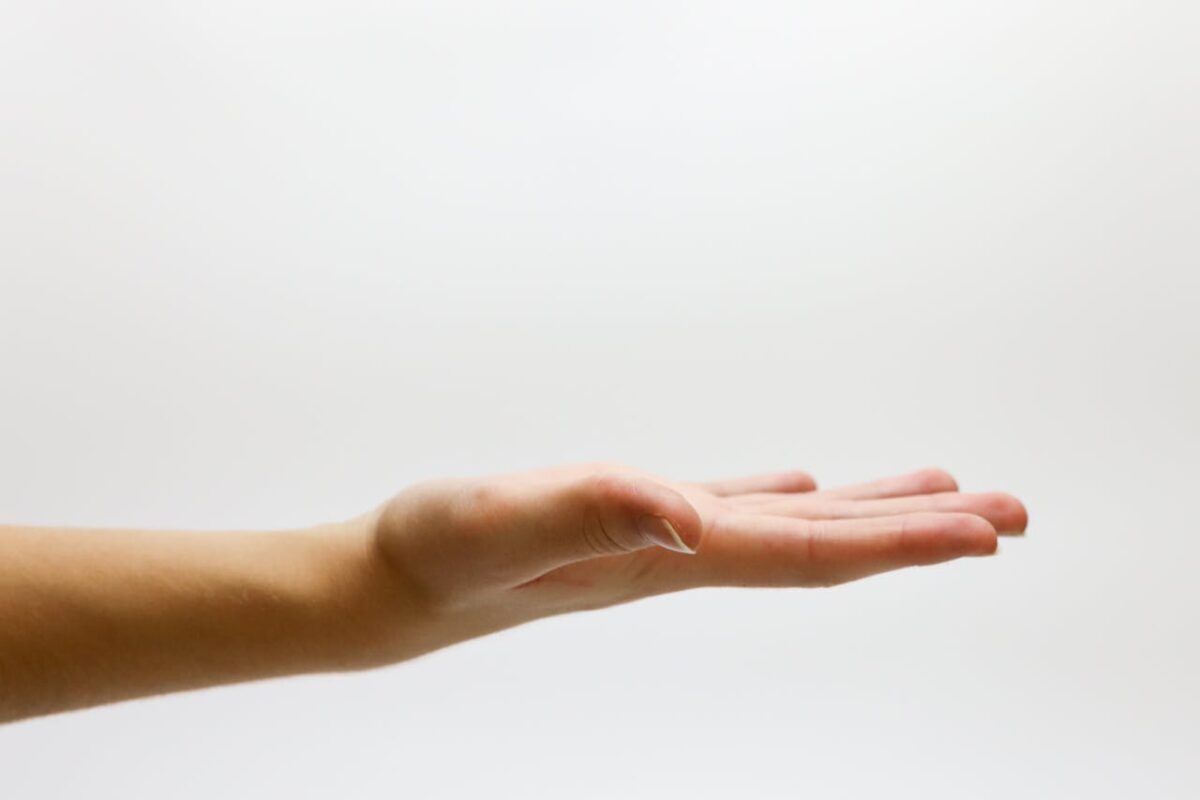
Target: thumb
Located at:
point(601, 514)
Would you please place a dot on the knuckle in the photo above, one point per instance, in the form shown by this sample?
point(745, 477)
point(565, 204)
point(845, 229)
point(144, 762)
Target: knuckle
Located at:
point(600, 537)
point(814, 541)
point(606, 513)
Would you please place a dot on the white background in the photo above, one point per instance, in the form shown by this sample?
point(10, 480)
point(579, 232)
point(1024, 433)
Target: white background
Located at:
point(263, 263)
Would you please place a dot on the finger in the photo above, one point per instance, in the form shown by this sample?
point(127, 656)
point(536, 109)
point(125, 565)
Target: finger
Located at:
point(923, 481)
point(601, 514)
point(790, 481)
point(1005, 512)
point(762, 550)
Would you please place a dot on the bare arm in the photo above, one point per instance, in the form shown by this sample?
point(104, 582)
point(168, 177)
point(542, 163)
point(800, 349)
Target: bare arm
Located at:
point(91, 616)
point(94, 616)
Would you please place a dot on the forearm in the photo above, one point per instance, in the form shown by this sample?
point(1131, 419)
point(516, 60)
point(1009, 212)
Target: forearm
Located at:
point(94, 616)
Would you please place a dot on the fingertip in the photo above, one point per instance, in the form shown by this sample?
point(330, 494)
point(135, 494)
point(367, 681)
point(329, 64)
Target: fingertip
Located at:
point(1007, 513)
point(1020, 521)
point(989, 545)
point(685, 528)
point(662, 532)
point(935, 479)
point(979, 536)
point(797, 481)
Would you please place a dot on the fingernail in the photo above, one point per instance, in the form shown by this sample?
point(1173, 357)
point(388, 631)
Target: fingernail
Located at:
point(660, 531)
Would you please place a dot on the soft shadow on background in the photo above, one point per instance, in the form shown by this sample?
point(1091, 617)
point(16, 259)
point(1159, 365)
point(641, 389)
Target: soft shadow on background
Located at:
point(262, 264)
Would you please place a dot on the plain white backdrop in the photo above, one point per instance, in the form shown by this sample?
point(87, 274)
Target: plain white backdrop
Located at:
point(264, 263)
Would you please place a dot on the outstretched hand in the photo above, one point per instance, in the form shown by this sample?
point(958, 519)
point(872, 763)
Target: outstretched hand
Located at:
point(93, 616)
point(483, 554)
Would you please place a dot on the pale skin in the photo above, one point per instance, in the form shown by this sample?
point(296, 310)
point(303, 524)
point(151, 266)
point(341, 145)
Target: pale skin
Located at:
point(95, 616)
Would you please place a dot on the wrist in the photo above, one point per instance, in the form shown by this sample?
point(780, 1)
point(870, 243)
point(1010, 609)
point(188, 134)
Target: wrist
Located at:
point(364, 609)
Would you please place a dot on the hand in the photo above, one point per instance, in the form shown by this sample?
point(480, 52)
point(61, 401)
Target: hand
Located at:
point(120, 614)
point(478, 555)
